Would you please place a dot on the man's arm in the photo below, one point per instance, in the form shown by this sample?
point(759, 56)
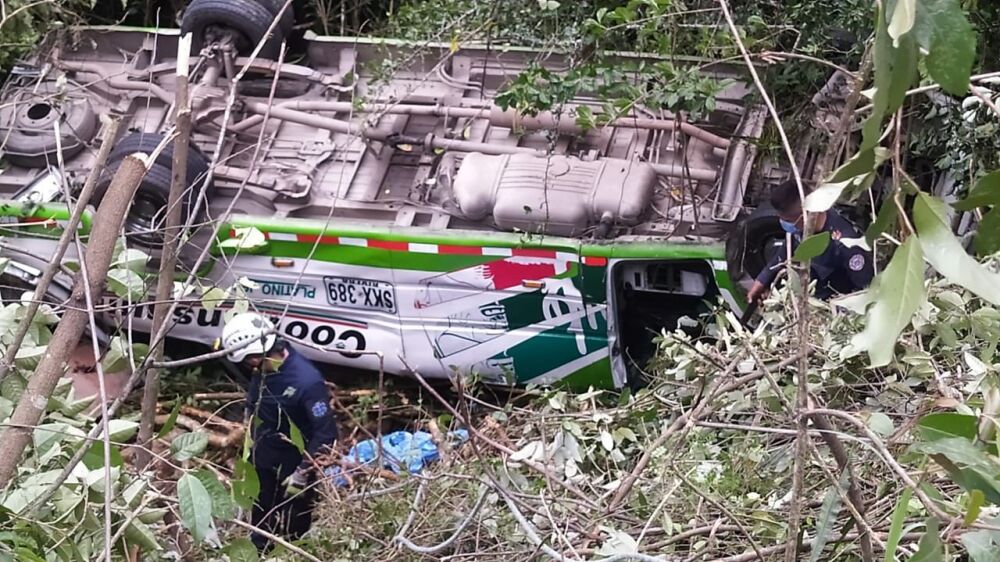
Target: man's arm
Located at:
point(316, 401)
point(766, 277)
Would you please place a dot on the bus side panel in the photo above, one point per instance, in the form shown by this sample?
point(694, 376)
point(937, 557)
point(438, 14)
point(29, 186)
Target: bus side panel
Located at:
point(508, 318)
point(333, 309)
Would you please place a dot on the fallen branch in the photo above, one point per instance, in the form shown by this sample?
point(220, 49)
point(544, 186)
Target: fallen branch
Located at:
point(214, 439)
point(502, 448)
point(219, 396)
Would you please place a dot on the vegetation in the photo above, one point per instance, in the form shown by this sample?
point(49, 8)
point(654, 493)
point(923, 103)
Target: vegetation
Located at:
point(860, 429)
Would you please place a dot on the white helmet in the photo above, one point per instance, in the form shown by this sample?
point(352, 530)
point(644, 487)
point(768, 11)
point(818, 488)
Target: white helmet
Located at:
point(244, 327)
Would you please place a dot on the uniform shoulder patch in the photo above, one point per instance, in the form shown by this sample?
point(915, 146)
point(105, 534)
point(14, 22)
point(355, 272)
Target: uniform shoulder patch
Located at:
point(857, 262)
point(319, 409)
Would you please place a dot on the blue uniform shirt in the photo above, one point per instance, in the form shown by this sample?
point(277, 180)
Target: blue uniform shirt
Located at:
point(845, 267)
point(295, 394)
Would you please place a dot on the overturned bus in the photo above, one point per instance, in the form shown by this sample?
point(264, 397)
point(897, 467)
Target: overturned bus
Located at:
point(372, 196)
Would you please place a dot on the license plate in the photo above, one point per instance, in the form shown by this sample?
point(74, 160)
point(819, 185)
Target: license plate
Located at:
point(365, 294)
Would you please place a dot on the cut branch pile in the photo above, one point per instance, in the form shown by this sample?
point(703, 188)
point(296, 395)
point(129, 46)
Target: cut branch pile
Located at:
point(696, 467)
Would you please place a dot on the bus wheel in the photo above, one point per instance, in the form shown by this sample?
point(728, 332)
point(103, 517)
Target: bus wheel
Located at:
point(245, 21)
point(752, 244)
point(27, 127)
point(287, 18)
point(147, 215)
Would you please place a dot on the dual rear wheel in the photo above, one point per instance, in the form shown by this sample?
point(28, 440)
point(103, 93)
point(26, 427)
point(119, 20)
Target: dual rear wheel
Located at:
point(246, 22)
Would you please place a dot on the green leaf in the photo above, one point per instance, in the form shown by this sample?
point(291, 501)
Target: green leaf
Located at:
point(886, 217)
point(987, 240)
point(824, 196)
point(94, 457)
point(196, 506)
point(249, 238)
point(904, 72)
point(903, 17)
point(932, 218)
point(976, 500)
point(901, 292)
point(970, 467)
point(895, 71)
point(880, 424)
point(960, 451)
point(126, 284)
point(138, 533)
point(122, 430)
point(944, 32)
point(12, 387)
point(245, 484)
point(212, 298)
point(171, 420)
point(982, 546)
point(861, 163)
point(295, 436)
point(189, 445)
point(132, 260)
point(896, 527)
point(241, 550)
point(117, 357)
point(827, 516)
point(811, 247)
point(943, 425)
point(25, 554)
point(222, 503)
point(986, 192)
point(929, 549)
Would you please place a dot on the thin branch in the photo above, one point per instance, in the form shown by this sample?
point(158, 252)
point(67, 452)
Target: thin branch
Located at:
point(803, 367)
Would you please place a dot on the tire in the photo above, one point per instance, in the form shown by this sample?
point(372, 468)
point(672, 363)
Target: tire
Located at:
point(287, 22)
point(147, 214)
point(249, 19)
point(27, 131)
point(197, 165)
point(752, 244)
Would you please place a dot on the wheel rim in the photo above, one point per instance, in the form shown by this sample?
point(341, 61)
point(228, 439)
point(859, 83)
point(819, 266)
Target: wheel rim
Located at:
point(142, 218)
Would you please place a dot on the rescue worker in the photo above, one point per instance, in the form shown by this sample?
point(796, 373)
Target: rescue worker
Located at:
point(285, 389)
point(844, 267)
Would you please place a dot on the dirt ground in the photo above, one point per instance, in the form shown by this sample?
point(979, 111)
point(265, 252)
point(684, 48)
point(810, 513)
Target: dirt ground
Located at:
point(83, 372)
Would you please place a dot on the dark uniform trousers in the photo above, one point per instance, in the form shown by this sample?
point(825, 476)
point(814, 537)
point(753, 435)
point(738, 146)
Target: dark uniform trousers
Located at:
point(276, 511)
point(296, 394)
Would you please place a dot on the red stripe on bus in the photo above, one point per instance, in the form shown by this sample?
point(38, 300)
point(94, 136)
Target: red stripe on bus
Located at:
point(460, 250)
point(313, 238)
point(531, 253)
point(389, 245)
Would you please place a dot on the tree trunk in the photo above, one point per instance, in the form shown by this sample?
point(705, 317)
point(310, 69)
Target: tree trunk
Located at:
point(107, 225)
point(107, 139)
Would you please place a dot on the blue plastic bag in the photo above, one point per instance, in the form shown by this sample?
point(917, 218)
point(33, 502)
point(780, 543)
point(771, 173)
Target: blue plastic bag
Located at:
point(402, 452)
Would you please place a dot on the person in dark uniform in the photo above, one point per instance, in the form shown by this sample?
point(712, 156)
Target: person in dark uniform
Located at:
point(847, 264)
point(285, 389)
